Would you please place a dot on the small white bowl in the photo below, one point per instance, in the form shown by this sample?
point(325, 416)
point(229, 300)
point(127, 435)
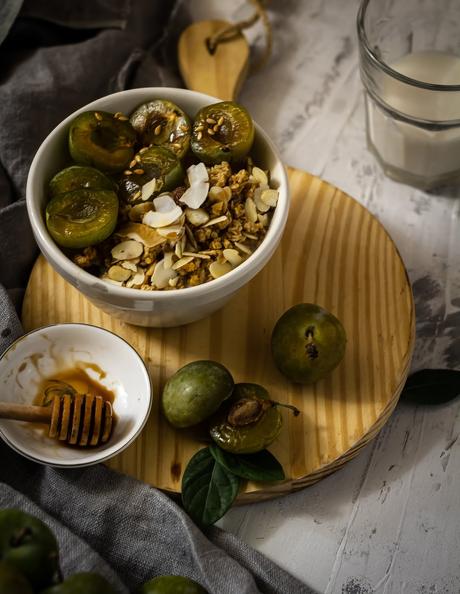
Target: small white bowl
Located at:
point(49, 350)
point(151, 308)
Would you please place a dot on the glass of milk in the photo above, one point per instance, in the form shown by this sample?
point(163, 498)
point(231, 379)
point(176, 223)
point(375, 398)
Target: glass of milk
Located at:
point(410, 67)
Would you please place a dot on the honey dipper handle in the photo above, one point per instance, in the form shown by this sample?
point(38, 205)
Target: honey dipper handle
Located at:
point(23, 412)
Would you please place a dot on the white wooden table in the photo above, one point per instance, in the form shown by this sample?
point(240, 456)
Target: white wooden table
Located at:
point(389, 521)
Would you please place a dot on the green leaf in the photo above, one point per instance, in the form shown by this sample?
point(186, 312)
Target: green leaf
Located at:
point(208, 489)
point(261, 466)
point(432, 386)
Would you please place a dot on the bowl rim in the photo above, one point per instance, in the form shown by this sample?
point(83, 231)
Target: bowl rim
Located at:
point(36, 218)
point(97, 459)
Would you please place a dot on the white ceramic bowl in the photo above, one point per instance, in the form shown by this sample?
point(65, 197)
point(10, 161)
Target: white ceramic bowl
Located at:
point(43, 352)
point(151, 308)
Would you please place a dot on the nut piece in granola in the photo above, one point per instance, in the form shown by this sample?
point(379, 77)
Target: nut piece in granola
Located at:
point(218, 269)
point(177, 246)
point(197, 193)
point(127, 250)
point(166, 212)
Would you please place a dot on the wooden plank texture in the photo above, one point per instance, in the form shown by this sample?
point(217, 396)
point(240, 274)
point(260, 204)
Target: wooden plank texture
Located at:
point(335, 253)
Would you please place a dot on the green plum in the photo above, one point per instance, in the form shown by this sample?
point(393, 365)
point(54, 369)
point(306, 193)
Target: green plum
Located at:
point(307, 342)
point(154, 162)
point(12, 581)
point(29, 545)
point(195, 392)
point(162, 123)
point(171, 584)
point(82, 218)
point(102, 140)
point(222, 132)
point(78, 177)
point(82, 583)
point(249, 422)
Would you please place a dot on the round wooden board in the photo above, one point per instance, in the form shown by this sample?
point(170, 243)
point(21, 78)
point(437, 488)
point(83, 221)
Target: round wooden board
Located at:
point(334, 253)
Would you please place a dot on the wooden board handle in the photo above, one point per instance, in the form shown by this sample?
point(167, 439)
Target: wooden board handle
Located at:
point(221, 73)
point(23, 412)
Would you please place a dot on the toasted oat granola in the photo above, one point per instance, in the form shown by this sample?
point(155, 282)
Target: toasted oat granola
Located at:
point(196, 233)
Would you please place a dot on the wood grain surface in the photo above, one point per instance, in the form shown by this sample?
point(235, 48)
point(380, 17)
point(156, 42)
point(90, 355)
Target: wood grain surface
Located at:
point(334, 253)
point(220, 74)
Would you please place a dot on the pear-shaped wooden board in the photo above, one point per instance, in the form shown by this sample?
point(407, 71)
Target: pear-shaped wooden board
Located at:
point(334, 253)
point(220, 73)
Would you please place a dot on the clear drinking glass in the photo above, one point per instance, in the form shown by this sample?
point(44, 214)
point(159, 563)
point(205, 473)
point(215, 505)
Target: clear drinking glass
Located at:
point(410, 68)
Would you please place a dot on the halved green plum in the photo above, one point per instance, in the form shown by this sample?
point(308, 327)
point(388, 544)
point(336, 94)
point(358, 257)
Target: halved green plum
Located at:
point(82, 218)
point(222, 132)
point(162, 123)
point(249, 422)
point(102, 140)
point(156, 163)
point(79, 177)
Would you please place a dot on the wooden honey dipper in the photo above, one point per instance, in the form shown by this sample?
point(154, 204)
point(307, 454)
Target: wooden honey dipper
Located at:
point(77, 419)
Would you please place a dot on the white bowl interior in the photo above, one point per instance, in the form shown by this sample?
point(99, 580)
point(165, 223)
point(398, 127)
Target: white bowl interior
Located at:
point(52, 156)
point(44, 352)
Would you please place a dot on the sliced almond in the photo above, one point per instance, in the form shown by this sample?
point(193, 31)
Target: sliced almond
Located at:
point(197, 255)
point(191, 237)
point(143, 233)
point(138, 211)
point(210, 252)
point(232, 256)
point(112, 282)
point(137, 280)
point(196, 216)
point(180, 246)
point(251, 210)
point(173, 281)
point(168, 260)
point(263, 219)
point(270, 197)
point(126, 250)
point(243, 248)
point(259, 175)
point(251, 236)
point(171, 232)
point(149, 189)
point(218, 269)
point(119, 274)
point(161, 276)
point(129, 265)
point(260, 204)
point(215, 221)
point(182, 262)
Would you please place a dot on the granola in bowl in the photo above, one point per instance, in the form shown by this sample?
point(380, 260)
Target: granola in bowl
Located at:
point(198, 244)
point(184, 216)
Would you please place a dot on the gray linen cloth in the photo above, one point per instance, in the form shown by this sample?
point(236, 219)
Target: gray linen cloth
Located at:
point(56, 56)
